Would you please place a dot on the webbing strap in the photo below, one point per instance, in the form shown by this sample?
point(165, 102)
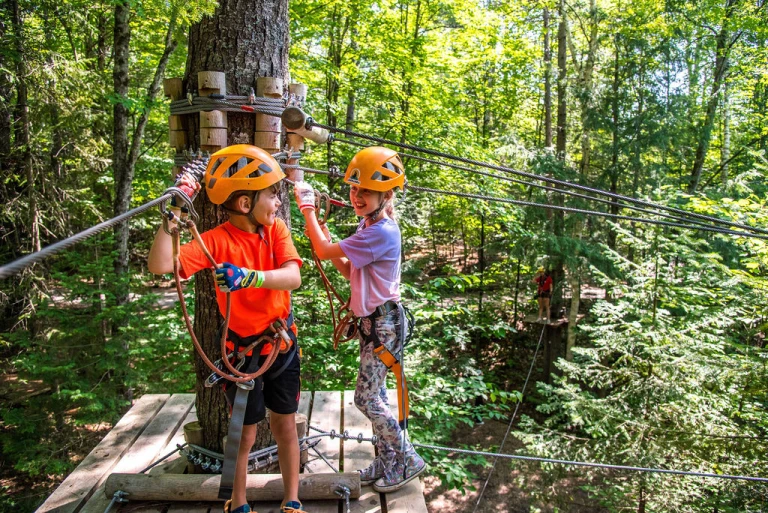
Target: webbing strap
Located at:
point(234, 435)
point(392, 363)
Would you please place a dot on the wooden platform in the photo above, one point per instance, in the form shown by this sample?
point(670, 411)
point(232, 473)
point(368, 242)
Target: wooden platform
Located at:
point(153, 426)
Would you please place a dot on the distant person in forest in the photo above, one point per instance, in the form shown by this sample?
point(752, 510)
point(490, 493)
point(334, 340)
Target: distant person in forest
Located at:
point(370, 260)
point(260, 266)
point(543, 280)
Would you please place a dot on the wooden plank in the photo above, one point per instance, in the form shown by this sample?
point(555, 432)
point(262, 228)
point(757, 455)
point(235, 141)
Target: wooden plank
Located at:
point(325, 416)
point(408, 499)
point(146, 449)
point(176, 464)
point(305, 402)
point(196, 507)
point(325, 412)
point(157, 435)
point(93, 470)
point(357, 456)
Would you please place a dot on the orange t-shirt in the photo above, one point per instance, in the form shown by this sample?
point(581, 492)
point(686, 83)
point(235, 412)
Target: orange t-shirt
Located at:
point(253, 310)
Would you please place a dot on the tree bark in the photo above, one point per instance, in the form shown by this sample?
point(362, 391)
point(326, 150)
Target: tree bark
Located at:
point(721, 67)
point(22, 127)
point(562, 84)
point(725, 152)
point(573, 315)
point(547, 82)
point(245, 40)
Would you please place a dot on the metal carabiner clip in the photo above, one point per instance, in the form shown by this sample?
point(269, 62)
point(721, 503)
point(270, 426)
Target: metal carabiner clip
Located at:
point(214, 378)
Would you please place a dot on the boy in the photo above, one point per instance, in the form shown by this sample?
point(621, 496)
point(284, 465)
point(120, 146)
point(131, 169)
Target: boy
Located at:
point(259, 263)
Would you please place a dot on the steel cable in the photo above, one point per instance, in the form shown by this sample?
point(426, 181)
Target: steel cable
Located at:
point(22, 263)
point(539, 186)
point(512, 420)
point(571, 210)
point(564, 183)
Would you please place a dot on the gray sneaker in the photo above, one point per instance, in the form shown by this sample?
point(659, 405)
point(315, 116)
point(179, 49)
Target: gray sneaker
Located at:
point(399, 474)
point(374, 471)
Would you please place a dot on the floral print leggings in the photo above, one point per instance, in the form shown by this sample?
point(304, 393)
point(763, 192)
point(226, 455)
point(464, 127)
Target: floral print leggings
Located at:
point(371, 391)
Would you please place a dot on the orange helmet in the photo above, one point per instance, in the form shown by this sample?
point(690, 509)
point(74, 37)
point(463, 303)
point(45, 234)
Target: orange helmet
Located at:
point(376, 168)
point(240, 167)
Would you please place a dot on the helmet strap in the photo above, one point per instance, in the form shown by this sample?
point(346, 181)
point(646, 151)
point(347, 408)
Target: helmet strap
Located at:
point(249, 214)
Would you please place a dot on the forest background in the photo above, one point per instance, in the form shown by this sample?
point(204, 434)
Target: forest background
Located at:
point(662, 101)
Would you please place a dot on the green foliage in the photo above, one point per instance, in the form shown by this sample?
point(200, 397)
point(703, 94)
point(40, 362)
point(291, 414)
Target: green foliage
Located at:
point(665, 378)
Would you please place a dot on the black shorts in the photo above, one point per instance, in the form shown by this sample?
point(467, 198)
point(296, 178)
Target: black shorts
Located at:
point(545, 294)
point(279, 393)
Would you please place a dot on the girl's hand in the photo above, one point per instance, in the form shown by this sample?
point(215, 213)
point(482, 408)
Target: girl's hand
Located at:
point(305, 196)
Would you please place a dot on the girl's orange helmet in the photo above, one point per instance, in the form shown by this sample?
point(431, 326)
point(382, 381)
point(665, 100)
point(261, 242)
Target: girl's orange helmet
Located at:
point(240, 167)
point(376, 168)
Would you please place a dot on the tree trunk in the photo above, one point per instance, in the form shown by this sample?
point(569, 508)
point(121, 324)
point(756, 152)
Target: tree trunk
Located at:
point(547, 82)
point(562, 84)
point(720, 71)
point(573, 314)
point(22, 127)
point(725, 152)
point(245, 40)
point(614, 169)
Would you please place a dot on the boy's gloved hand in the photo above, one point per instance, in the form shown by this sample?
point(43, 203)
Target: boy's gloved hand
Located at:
point(305, 196)
point(230, 277)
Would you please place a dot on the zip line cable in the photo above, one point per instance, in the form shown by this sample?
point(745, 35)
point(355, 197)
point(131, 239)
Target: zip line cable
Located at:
point(360, 438)
point(571, 210)
point(539, 186)
point(512, 420)
point(533, 176)
point(22, 263)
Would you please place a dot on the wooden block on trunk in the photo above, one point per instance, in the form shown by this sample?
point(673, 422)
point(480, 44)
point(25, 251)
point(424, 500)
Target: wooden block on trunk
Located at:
point(176, 122)
point(213, 137)
point(270, 141)
point(177, 139)
point(270, 87)
point(213, 119)
point(211, 82)
point(266, 123)
point(172, 87)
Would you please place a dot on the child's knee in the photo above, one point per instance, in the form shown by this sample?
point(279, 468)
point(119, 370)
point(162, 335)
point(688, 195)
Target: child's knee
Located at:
point(248, 437)
point(283, 427)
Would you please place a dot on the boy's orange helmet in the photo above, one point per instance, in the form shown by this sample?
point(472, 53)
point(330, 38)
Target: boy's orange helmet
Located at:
point(376, 168)
point(240, 167)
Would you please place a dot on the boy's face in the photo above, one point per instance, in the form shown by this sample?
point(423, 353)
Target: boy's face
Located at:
point(266, 206)
point(364, 201)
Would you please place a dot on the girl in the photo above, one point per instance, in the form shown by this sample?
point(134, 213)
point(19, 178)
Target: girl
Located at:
point(370, 260)
point(543, 280)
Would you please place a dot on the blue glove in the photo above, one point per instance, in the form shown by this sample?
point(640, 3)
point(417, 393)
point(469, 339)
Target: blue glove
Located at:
point(230, 277)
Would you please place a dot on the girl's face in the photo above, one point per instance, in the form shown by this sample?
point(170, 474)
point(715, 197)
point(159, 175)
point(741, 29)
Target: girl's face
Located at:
point(364, 201)
point(266, 206)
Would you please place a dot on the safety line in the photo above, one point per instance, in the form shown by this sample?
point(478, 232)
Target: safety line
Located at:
point(539, 186)
point(564, 183)
point(512, 420)
point(572, 210)
point(22, 263)
point(736, 477)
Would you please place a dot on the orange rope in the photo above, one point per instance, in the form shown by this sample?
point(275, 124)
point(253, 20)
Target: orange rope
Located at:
point(239, 376)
